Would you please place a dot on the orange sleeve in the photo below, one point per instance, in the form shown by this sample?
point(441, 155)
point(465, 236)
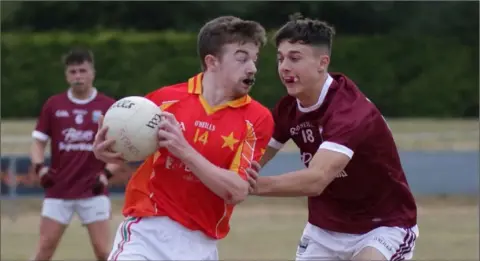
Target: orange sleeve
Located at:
point(154, 96)
point(257, 136)
point(166, 93)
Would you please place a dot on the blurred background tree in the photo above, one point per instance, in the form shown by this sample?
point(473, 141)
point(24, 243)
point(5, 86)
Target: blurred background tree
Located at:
point(399, 53)
point(455, 18)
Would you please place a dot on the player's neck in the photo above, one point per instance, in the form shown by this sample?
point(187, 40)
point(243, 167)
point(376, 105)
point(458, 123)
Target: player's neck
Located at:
point(212, 92)
point(82, 95)
point(310, 97)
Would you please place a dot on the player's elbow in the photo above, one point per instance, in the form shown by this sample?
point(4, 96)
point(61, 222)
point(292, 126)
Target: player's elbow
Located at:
point(314, 189)
point(318, 179)
point(316, 186)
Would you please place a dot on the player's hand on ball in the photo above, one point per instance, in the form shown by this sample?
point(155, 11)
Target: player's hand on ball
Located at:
point(102, 146)
point(252, 176)
point(170, 136)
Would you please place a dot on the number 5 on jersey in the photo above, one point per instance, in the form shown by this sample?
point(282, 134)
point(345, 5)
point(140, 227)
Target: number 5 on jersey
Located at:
point(200, 136)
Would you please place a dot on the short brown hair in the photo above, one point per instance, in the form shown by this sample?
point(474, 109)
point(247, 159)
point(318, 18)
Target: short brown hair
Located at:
point(306, 31)
point(78, 56)
point(225, 30)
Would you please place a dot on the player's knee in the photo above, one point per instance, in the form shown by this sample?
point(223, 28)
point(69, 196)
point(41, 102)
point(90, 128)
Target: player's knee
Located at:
point(101, 247)
point(101, 254)
point(46, 248)
point(100, 241)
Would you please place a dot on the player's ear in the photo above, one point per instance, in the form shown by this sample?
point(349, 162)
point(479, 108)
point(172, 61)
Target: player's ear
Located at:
point(324, 61)
point(211, 62)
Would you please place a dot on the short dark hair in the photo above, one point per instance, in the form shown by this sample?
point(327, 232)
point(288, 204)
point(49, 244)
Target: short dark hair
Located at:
point(225, 30)
point(78, 56)
point(306, 31)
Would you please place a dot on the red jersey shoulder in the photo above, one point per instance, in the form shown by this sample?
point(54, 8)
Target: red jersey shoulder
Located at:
point(168, 93)
point(349, 117)
point(345, 100)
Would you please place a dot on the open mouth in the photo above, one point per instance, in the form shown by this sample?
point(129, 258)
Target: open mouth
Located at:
point(289, 79)
point(249, 81)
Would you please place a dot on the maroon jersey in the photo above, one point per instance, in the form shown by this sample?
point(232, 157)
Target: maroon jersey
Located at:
point(71, 125)
point(372, 190)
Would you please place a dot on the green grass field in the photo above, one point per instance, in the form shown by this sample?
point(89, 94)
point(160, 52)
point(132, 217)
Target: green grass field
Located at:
point(410, 134)
point(262, 229)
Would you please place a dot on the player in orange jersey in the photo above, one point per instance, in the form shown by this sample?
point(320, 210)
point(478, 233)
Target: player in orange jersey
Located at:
point(180, 200)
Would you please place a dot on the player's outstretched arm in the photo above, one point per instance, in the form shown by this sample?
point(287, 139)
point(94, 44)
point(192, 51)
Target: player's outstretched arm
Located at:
point(324, 167)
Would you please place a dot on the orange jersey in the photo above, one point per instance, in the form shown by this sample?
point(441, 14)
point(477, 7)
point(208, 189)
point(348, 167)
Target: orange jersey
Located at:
point(230, 136)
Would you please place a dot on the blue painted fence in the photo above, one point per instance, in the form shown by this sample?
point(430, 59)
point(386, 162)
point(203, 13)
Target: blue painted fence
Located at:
point(429, 173)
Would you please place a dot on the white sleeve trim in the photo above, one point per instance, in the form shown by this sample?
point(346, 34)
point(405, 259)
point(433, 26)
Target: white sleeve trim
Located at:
point(40, 135)
point(337, 147)
point(275, 144)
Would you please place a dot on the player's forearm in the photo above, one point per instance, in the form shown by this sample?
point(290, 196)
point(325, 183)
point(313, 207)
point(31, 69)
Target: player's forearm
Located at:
point(292, 184)
point(37, 151)
point(224, 183)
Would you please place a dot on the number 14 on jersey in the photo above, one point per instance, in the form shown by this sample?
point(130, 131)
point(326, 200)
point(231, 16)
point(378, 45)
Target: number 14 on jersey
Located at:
point(200, 136)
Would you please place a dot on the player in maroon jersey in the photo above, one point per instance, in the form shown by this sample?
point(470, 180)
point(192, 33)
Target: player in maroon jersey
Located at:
point(359, 201)
point(75, 181)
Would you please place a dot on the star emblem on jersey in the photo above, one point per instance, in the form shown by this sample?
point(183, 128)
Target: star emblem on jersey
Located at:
point(229, 141)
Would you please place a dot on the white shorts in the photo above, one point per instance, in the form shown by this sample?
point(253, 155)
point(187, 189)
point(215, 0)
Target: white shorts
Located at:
point(89, 210)
point(160, 238)
point(319, 244)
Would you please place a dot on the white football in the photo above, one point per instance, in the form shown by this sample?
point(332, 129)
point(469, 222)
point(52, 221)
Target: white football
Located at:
point(133, 124)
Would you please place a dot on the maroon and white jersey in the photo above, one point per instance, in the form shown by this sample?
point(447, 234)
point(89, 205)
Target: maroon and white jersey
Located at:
point(71, 125)
point(372, 190)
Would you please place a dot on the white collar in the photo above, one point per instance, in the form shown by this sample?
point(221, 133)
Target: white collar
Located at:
point(321, 98)
point(79, 101)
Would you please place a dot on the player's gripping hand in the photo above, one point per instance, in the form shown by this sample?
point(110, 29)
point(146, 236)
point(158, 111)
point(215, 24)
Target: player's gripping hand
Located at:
point(170, 136)
point(44, 174)
point(252, 176)
point(101, 181)
point(102, 146)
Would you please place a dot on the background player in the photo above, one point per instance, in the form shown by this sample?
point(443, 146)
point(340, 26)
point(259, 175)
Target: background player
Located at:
point(179, 202)
point(76, 179)
point(360, 204)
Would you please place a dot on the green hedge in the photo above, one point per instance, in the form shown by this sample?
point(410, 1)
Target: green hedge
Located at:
point(408, 77)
